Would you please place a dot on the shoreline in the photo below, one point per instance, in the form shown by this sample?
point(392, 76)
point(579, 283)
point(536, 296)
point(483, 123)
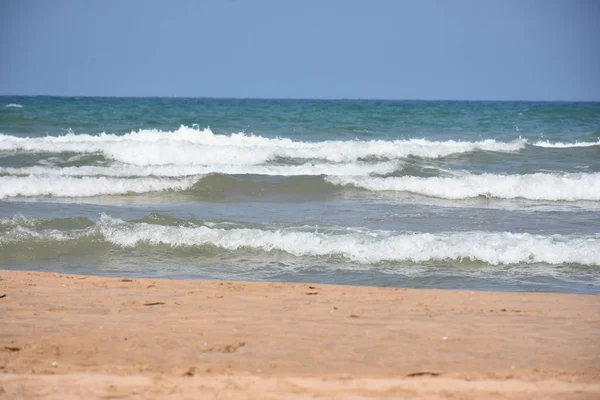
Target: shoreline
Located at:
point(351, 284)
point(60, 332)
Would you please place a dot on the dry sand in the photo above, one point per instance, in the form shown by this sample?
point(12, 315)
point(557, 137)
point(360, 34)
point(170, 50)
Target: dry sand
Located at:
point(71, 337)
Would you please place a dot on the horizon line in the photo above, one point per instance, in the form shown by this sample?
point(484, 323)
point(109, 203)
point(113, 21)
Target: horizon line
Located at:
point(294, 98)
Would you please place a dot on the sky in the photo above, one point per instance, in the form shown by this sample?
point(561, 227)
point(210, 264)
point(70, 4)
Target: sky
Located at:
point(382, 49)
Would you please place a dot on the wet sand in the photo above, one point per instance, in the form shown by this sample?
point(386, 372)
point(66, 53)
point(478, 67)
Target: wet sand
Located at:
point(69, 337)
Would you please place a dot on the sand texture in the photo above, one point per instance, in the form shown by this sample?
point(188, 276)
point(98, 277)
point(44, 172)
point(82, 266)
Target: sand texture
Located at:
point(83, 337)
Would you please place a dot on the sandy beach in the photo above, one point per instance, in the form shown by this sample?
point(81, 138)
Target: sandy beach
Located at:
point(70, 337)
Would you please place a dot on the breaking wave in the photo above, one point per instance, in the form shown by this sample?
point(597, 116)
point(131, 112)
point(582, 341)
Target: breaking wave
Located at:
point(127, 170)
point(563, 145)
point(190, 146)
point(65, 186)
point(360, 246)
point(536, 187)
point(539, 186)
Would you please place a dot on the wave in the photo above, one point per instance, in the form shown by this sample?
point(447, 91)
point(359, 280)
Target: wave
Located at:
point(536, 187)
point(13, 105)
point(191, 146)
point(224, 187)
point(563, 145)
point(127, 170)
point(214, 187)
point(360, 246)
point(19, 220)
point(65, 186)
point(539, 186)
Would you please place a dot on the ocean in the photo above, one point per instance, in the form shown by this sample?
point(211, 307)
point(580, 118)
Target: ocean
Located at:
point(500, 196)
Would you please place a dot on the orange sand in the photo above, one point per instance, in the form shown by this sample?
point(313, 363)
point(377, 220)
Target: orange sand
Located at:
point(69, 337)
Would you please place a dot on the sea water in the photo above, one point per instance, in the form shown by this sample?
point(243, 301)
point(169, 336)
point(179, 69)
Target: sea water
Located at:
point(439, 194)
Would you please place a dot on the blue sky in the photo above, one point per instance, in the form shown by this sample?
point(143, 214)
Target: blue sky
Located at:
point(470, 49)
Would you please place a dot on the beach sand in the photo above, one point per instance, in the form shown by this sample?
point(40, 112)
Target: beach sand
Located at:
point(71, 337)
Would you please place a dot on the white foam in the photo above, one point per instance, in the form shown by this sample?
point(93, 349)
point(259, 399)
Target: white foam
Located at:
point(360, 246)
point(367, 246)
point(189, 146)
point(65, 186)
point(21, 233)
point(563, 145)
point(128, 170)
point(18, 220)
point(13, 105)
point(553, 187)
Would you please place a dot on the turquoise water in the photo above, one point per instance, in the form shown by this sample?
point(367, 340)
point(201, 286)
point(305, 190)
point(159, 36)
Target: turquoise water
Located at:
point(473, 195)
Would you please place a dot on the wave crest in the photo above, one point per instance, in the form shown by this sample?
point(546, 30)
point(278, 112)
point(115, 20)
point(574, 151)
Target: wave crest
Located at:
point(190, 146)
point(552, 187)
point(65, 186)
point(563, 145)
point(360, 246)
